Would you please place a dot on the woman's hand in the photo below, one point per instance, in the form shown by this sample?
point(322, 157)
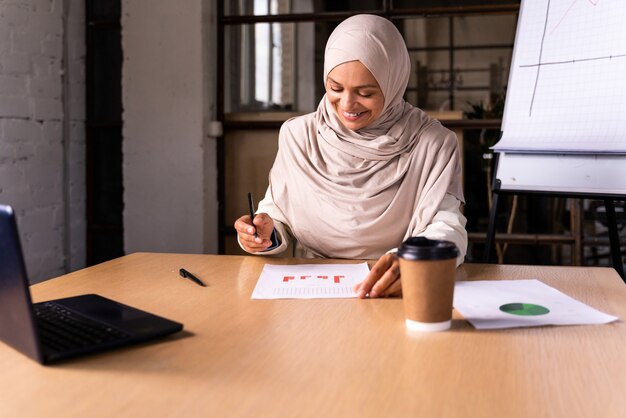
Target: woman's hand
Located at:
point(383, 280)
point(263, 225)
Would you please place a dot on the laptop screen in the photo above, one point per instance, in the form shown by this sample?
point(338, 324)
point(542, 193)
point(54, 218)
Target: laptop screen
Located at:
point(17, 326)
point(63, 328)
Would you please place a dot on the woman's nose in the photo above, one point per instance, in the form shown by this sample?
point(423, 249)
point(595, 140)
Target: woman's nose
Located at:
point(347, 100)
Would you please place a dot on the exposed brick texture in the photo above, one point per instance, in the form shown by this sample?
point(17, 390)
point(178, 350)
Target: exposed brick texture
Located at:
point(42, 130)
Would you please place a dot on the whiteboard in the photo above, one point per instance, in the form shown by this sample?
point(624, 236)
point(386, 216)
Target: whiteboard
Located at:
point(567, 86)
point(564, 123)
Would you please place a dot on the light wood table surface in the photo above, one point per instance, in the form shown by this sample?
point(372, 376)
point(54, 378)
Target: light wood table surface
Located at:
point(321, 358)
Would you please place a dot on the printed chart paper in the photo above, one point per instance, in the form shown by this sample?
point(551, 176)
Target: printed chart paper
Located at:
point(492, 304)
point(309, 281)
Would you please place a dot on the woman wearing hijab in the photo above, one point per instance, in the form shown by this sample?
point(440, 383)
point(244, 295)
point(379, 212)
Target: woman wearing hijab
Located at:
point(366, 170)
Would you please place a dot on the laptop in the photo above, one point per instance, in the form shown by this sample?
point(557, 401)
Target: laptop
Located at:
point(61, 329)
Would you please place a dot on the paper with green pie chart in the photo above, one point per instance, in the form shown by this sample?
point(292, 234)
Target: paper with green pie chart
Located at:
point(524, 309)
point(492, 304)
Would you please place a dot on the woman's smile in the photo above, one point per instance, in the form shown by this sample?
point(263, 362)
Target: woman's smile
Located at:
point(352, 116)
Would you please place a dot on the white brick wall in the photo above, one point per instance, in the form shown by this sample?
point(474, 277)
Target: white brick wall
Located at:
point(42, 135)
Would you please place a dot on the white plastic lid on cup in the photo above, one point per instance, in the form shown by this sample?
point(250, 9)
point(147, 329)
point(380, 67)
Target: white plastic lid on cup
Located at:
point(428, 326)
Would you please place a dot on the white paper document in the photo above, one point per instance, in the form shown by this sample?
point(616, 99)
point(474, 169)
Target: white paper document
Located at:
point(494, 304)
point(309, 281)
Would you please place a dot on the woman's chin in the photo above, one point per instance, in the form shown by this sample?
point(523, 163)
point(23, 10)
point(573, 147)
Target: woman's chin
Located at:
point(354, 125)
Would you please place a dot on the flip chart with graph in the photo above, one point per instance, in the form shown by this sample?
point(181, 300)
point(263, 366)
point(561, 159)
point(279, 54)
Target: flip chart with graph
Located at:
point(567, 87)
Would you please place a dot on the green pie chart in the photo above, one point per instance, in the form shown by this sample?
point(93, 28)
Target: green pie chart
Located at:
point(524, 309)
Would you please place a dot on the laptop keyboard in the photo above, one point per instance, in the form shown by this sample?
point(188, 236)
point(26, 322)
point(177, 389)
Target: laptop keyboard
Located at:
point(61, 329)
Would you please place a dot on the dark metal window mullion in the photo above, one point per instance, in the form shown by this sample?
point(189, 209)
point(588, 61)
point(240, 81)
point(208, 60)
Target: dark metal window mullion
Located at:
point(452, 74)
point(270, 63)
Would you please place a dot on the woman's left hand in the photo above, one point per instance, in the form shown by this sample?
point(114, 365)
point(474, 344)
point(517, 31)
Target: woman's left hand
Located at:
point(383, 280)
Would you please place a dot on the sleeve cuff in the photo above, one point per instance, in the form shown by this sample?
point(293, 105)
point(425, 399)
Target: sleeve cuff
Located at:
point(275, 242)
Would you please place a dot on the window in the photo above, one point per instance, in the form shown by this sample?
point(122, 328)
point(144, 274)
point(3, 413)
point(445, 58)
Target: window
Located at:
point(273, 51)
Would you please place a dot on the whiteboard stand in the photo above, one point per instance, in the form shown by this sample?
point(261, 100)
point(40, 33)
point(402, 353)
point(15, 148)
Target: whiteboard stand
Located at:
point(616, 256)
point(563, 126)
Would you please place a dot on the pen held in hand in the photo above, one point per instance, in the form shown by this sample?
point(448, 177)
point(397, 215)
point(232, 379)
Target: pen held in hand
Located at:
point(184, 273)
point(251, 205)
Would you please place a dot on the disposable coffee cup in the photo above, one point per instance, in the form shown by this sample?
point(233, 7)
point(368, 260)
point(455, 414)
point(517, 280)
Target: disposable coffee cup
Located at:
point(427, 270)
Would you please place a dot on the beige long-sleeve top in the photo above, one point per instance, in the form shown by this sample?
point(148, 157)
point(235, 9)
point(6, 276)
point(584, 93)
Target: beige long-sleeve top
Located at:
point(447, 224)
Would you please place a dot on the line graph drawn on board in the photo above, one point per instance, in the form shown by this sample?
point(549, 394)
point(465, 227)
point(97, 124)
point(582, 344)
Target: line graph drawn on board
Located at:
point(567, 89)
point(592, 2)
point(572, 61)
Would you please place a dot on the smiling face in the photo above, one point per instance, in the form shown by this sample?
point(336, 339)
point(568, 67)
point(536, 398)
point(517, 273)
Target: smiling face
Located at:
point(354, 94)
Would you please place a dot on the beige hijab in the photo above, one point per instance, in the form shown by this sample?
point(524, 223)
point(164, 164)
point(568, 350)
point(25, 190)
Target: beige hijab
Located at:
point(347, 194)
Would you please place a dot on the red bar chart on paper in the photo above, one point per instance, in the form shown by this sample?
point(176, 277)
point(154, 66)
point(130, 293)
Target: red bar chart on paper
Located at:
point(309, 281)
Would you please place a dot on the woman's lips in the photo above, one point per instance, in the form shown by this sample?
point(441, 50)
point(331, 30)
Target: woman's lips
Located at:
point(352, 116)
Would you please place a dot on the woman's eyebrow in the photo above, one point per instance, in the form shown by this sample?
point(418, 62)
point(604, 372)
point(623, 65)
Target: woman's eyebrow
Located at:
point(364, 86)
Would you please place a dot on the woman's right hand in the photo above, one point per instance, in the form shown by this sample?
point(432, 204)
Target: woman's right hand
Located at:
point(263, 225)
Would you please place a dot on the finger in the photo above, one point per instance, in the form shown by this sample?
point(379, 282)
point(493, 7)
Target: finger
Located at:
point(249, 233)
point(395, 289)
point(255, 248)
point(375, 274)
point(252, 240)
point(245, 233)
point(380, 287)
point(252, 244)
point(244, 225)
point(264, 225)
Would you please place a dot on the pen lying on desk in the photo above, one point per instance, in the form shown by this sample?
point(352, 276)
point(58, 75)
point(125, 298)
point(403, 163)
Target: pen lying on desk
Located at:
point(184, 273)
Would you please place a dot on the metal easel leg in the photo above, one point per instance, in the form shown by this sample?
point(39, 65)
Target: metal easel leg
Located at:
point(491, 230)
point(616, 252)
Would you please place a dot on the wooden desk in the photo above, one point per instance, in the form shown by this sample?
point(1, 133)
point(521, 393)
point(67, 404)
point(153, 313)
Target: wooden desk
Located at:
point(321, 358)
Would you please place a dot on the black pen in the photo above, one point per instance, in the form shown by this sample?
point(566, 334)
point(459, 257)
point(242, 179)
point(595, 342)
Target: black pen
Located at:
point(184, 273)
point(251, 204)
